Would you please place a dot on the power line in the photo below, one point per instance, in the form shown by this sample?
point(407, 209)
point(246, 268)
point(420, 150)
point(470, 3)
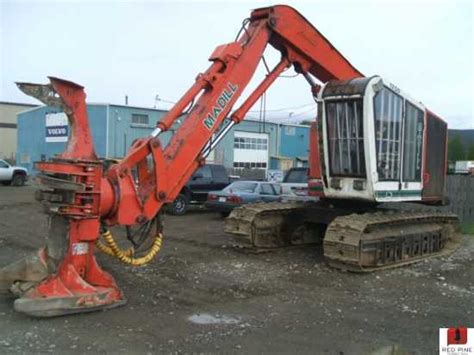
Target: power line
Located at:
point(158, 98)
point(304, 112)
point(286, 108)
point(271, 110)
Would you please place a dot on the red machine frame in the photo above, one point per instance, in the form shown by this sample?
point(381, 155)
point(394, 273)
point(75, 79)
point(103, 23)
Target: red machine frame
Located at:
point(214, 94)
point(123, 198)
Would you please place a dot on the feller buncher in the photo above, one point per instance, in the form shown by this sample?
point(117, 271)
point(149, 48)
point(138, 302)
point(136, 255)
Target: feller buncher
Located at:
point(371, 144)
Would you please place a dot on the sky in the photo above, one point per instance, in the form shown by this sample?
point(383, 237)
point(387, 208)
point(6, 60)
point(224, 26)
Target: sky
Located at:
point(151, 48)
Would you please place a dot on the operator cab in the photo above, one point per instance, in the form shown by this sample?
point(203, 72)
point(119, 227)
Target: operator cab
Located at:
point(372, 143)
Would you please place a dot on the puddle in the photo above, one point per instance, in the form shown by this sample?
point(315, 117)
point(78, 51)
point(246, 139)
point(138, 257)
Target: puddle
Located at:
point(206, 318)
point(390, 350)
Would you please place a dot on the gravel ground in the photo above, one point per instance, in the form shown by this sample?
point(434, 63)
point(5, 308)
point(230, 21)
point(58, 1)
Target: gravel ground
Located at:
point(203, 295)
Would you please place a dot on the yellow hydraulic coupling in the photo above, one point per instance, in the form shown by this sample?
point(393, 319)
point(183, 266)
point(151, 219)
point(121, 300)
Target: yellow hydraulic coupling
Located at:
point(126, 256)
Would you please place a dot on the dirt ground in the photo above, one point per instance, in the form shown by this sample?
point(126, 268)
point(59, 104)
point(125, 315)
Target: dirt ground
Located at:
point(201, 295)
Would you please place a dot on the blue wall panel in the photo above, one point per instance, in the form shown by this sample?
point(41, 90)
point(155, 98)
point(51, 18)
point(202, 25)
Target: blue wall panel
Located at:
point(122, 132)
point(115, 140)
point(32, 145)
point(294, 141)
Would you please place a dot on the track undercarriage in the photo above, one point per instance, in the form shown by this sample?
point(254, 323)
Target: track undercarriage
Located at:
point(358, 238)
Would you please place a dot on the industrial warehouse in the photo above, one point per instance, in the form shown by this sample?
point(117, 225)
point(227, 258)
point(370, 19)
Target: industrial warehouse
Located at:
point(281, 196)
point(43, 132)
point(8, 127)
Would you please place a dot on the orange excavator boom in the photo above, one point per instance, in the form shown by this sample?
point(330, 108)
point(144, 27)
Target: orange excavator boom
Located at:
point(133, 191)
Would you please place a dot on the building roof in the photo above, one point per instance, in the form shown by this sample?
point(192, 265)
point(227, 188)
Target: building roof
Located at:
point(33, 107)
point(127, 106)
point(17, 104)
point(37, 107)
point(276, 123)
point(99, 104)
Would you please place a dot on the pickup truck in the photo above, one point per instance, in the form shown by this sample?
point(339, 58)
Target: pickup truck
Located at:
point(209, 177)
point(12, 175)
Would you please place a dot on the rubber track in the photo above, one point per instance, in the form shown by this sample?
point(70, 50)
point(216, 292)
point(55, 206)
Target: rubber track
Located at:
point(241, 219)
point(344, 236)
point(260, 225)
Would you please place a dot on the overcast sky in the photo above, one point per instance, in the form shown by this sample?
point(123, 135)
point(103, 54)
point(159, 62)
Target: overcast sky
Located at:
point(144, 49)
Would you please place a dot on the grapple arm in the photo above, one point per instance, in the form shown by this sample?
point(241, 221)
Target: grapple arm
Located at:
point(82, 198)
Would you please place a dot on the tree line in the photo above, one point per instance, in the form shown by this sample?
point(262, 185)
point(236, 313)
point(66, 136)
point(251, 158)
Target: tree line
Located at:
point(457, 150)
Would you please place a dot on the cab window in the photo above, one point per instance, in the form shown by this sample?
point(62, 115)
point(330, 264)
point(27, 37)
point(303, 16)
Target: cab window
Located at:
point(345, 137)
point(413, 143)
point(388, 113)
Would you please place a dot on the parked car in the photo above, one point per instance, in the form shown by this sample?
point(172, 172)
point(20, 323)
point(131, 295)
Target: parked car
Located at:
point(294, 186)
point(12, 175)
point(241, 192)
point(207, 178)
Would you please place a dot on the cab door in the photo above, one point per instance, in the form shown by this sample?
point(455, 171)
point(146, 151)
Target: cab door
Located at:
point(388, 116)
point(200, 183)
point(5, 171)
point(412, 152)
point(398, 142)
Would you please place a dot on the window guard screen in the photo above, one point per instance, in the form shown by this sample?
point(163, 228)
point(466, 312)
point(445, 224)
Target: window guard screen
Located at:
point(388, 112)
point(413, 142)
point(345, 138)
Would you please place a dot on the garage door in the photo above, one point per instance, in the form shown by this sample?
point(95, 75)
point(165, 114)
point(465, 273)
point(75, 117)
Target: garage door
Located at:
point(250, 150)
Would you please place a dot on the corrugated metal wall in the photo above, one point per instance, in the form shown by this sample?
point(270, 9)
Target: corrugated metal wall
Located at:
point(32, 145)
point(296, 141)
point(460, 190)
point(114, 131)
point(122, 132)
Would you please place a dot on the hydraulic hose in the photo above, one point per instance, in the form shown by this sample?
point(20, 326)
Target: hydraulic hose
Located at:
point(104, 248)
point(126, 256)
